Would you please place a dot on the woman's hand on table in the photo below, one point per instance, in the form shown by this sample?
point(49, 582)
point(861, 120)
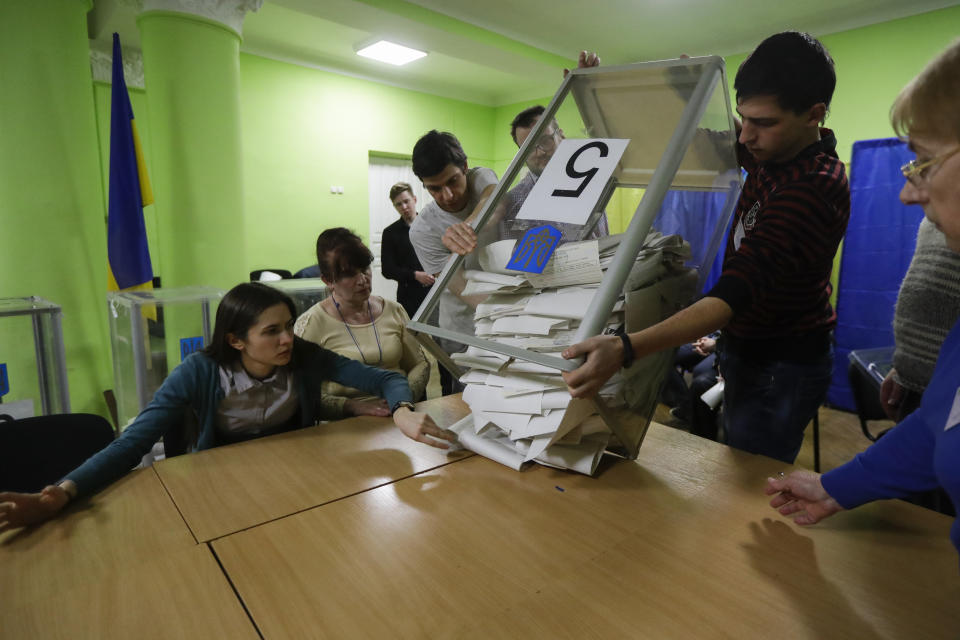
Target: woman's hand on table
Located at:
point(376, 408)
point(421, 427)
point(801, 492)
point(22, 509)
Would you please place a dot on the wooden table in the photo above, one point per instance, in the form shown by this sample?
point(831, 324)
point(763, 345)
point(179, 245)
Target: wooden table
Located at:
point(227, 489)
point(350, 530)
point(121, 565)
point(680, 543)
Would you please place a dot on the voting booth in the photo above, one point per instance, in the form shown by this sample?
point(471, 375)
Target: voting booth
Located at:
point(573, 243)
point(151, 332)
point(34, 383)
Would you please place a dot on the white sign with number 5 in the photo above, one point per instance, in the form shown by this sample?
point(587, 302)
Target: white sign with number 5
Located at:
point(571, 183)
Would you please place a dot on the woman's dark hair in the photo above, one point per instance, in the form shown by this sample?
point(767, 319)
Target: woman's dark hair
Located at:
point(341, 252)
point(793, 66)
point(434, 151)
point(238, 311)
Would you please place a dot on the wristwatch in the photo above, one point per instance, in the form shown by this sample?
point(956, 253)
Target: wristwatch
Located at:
point(402, 403)
point(66, 489)
point(627, 350)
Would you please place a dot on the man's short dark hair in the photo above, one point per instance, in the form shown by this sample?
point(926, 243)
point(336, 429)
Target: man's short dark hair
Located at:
point(792, 66)
point(434, 151)
point(525, 119)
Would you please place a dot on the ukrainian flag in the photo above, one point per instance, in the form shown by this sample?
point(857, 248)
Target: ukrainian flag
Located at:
point(127, 252)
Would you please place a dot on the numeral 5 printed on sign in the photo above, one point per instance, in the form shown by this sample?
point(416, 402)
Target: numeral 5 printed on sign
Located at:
point(586, 175)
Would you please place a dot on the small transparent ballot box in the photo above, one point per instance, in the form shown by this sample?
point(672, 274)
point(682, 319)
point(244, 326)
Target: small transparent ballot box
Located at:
point(305, 292)
point(33, 370)
point(607, 220)
point(151, 332)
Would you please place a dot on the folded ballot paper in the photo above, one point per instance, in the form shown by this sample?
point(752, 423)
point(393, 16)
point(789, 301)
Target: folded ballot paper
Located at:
point(521, 411)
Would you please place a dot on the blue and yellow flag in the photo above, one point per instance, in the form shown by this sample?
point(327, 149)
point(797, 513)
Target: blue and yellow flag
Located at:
point(128, 256)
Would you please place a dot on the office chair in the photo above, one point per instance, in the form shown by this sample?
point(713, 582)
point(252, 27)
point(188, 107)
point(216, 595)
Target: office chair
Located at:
point(866, 398)
point(283, 273)
point(313, 271)
point(36, 452)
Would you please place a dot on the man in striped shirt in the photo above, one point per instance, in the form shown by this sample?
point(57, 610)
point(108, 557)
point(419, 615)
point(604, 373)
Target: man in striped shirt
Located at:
point(772, 299)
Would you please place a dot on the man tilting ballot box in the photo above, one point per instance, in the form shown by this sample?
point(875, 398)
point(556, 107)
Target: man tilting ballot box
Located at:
point(556, 283)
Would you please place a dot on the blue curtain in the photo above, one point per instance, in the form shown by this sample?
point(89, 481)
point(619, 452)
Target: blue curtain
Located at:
point(877, 250)
point(703, 219)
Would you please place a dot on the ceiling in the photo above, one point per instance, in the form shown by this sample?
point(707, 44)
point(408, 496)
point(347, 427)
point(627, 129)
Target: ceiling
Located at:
point(496, 52)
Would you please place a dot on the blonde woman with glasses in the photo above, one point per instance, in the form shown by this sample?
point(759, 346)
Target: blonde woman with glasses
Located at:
point(923, 451)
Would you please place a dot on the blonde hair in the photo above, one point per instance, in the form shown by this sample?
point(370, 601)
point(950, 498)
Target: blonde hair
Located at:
point(930, 103)
point(399, 188)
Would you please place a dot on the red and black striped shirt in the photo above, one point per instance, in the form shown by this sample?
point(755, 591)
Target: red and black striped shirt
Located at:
point(777, 281)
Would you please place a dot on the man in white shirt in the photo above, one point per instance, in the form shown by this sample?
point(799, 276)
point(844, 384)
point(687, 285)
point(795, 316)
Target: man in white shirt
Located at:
point(458, 193)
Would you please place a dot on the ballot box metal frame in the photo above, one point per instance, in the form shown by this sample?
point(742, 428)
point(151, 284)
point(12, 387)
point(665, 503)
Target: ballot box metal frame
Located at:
point(711, 80)
point(50, 357)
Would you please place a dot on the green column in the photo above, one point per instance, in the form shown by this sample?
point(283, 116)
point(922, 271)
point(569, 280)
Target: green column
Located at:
point(52, 206)
point(192, 77)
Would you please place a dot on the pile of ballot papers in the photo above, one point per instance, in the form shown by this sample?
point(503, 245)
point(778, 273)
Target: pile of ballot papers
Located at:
point(521, 411)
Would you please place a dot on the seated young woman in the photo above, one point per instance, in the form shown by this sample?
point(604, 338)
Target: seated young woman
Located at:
point(359, 326)
point(254, 379)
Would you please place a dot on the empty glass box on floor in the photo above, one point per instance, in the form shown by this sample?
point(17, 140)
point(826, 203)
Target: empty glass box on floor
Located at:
point(33, 371)
point(151, 332)
point(608, 219)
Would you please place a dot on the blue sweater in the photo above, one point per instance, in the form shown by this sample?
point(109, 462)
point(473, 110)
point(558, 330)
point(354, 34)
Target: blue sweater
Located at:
point(919, 454)
point(195, 384)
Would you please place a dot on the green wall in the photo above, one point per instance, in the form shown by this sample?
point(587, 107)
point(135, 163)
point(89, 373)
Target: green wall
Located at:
point(53, 240)
point(303, 130)
point(873, 64)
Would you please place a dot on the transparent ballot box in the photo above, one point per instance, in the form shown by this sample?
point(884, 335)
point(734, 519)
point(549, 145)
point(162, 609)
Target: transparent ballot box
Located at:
point(305, 292)
point(151, 332)
point(608, 219)
point(32, 380)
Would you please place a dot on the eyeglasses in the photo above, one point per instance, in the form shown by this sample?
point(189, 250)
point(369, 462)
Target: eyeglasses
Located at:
point(917, 174)
point(547, 142)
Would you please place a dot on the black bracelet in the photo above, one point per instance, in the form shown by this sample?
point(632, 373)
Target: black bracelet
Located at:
point(627, 350)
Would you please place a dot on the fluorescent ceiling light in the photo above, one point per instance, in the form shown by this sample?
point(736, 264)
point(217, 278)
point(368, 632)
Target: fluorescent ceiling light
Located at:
point(391, 53)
